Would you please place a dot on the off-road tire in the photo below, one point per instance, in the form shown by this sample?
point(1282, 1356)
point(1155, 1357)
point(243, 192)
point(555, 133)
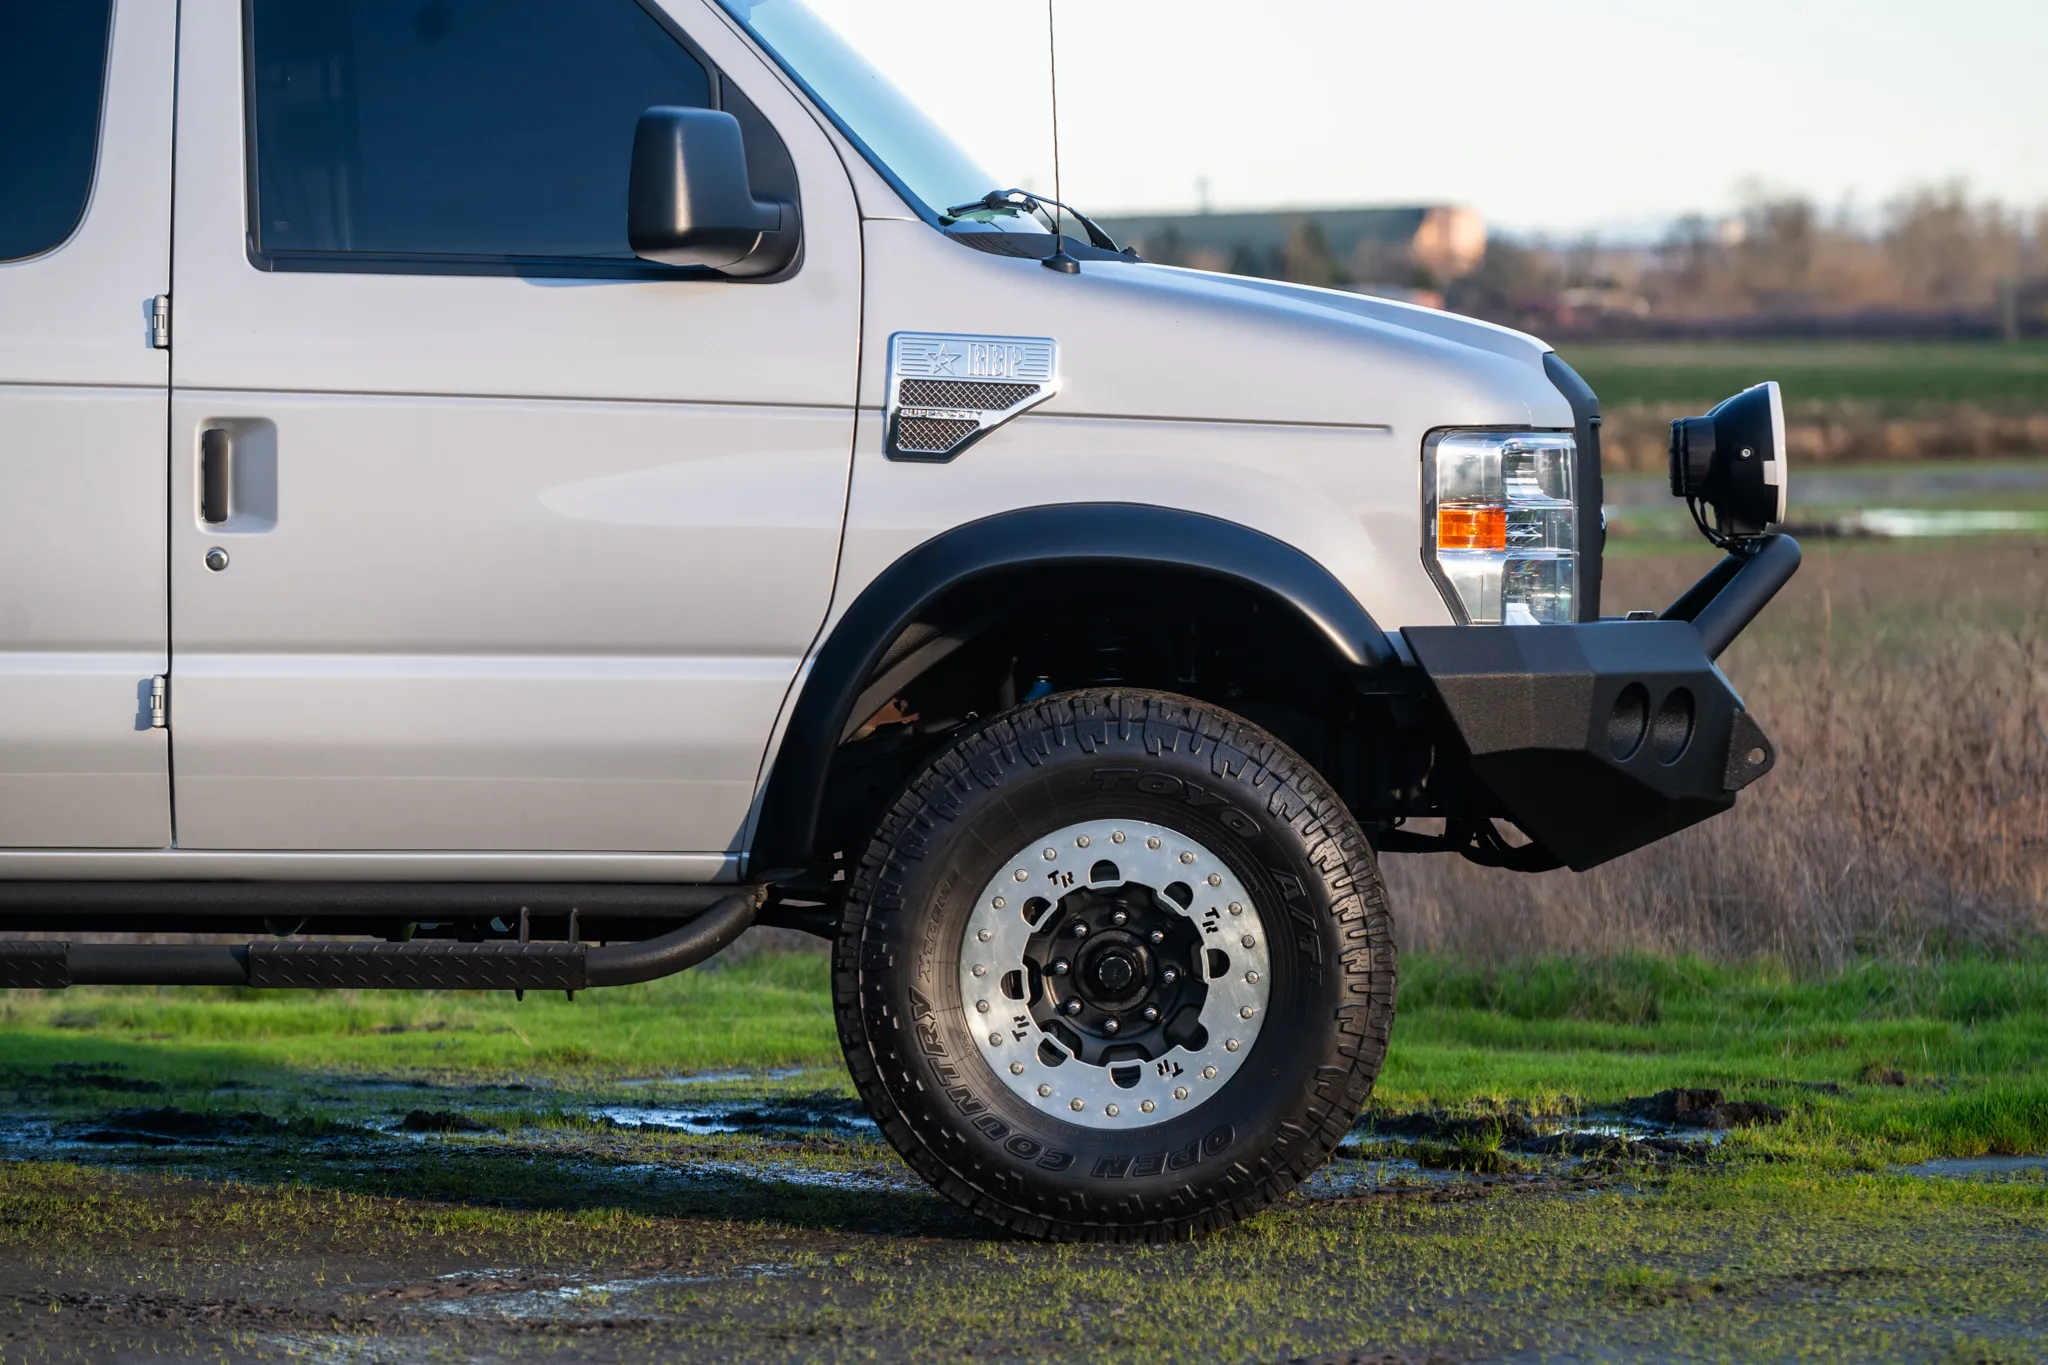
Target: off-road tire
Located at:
point(1121, 755)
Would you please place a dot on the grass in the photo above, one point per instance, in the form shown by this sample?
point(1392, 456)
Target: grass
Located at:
point(1901, 375)
point(1844, 403)
point(1906, 690)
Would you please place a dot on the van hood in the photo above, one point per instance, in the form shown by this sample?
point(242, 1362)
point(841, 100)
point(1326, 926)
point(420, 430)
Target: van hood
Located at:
point(1145, 341)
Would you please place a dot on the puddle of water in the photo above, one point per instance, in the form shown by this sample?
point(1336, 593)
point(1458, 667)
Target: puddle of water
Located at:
point(1905, 523)
point(1979, 1167)
point(732, 1119)
point(717, 1077)
point(1813, 487)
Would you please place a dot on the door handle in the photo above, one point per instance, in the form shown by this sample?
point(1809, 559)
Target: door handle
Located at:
point(216, 461)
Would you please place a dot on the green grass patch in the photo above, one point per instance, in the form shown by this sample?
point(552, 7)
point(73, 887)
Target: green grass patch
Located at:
point(1904, 376)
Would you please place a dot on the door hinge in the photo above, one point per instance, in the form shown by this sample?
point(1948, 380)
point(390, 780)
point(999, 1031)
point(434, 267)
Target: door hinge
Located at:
point(159, 702)
point(160, 322)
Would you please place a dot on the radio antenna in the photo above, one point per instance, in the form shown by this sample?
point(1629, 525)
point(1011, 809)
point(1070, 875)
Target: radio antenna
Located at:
point(1059, 260)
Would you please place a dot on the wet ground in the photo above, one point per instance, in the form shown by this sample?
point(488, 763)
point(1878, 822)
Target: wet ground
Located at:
point(737, 1216)
point(1896, 502)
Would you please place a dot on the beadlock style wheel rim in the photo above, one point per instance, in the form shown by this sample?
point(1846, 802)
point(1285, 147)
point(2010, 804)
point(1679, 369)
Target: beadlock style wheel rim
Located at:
point(1115, 974)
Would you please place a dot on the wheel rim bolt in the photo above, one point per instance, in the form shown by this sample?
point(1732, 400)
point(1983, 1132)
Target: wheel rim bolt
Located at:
point(1016, 1068)
point(980, 969)
point(1169, 976)
point(982, 1006)
point(1083, 842)
point(1110, 1026)
point(1118, 918)
point(1237, 907)
point(1246, 1013)
point(1147, 1106)
point(1060, 967)
point(1215, 879)
point(1077, 1105)
point(1251, 978)
point(1208, 1073)
point(1249, 942)
point(986, 934)
point(1080, 931)
point(1074, 1007)
point(995, 1040)
point(1157, 936)
point(1187, 857)
point(1117, 837)
point(1111, 1110)
point(1045, 1092)
point(1231, 1046)
point(1151, 1013)
point(1152, 842)
point(1180, 1092)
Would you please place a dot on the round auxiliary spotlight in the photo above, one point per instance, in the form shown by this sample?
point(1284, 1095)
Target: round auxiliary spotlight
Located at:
point(1733, 461)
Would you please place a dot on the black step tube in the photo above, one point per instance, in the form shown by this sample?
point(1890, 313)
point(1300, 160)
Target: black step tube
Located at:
point(621, 964)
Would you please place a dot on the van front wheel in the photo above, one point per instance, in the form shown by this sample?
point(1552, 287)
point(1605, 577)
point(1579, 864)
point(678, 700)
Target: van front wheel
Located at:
point(1117, 966)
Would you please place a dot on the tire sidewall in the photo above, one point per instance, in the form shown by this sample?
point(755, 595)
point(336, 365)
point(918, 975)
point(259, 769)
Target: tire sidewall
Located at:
point(911, 908)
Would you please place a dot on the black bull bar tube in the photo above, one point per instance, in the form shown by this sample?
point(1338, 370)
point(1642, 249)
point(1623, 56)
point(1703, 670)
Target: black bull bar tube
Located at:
point(1598, 738)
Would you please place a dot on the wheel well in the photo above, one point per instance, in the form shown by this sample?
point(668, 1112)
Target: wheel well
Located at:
point(1005, 637)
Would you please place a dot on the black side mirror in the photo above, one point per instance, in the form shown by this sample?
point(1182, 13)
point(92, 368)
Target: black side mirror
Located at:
point(688, 202)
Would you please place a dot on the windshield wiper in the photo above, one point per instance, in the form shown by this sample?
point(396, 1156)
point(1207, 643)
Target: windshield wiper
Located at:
point(1023, 201)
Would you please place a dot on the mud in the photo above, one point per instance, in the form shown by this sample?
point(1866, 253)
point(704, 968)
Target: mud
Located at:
point(333, 1218)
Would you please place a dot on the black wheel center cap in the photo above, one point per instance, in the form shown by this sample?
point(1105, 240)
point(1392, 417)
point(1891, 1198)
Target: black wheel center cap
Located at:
point(1114, 971)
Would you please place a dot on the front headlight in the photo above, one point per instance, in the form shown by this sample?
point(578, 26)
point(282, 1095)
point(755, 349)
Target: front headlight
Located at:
point(1498, 524)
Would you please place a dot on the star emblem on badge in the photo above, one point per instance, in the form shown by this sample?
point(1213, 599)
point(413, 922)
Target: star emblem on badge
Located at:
point(943, 359)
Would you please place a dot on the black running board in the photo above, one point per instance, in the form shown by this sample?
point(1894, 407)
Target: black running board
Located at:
point(434, 965)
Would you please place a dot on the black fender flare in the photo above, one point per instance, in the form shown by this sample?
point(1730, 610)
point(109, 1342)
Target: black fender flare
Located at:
point(1066, 535)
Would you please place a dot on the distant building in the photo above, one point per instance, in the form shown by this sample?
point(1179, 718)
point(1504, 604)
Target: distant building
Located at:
point(1406, 253)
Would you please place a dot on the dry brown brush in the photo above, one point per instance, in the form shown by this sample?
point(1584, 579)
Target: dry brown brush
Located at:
point(1907, 691)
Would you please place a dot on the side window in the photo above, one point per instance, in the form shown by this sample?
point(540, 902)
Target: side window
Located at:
point(463, 131)
point(53, 65)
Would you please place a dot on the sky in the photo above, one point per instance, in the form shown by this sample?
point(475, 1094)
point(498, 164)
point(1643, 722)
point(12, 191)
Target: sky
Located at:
point(1559, 117)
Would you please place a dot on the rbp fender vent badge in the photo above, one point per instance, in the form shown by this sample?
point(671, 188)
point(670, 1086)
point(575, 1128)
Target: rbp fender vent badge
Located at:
point(947, 391)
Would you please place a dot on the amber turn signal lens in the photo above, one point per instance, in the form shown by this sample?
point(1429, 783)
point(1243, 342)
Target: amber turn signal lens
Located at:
point(1472, 528)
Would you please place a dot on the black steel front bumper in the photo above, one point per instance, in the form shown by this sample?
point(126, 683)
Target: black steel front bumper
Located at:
point(1598, 738)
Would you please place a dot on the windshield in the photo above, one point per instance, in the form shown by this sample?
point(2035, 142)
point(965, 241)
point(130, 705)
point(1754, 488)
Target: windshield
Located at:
point(897, 136)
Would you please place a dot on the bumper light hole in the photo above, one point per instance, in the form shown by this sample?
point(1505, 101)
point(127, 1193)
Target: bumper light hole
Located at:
point(1673, 730)
point(1628, 722)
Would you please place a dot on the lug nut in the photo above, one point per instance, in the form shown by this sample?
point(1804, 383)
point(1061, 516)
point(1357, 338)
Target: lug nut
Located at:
point(1157, 936)
point(1170, 975)
point(1118, 918)
point(1080, 931)
point(1151, 1013)
point(1074, 1007)
point(1110, 1026)
point(1060, 968)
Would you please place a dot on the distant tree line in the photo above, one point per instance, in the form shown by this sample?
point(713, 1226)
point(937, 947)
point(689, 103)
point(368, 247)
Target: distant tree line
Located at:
point(1931, 261)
